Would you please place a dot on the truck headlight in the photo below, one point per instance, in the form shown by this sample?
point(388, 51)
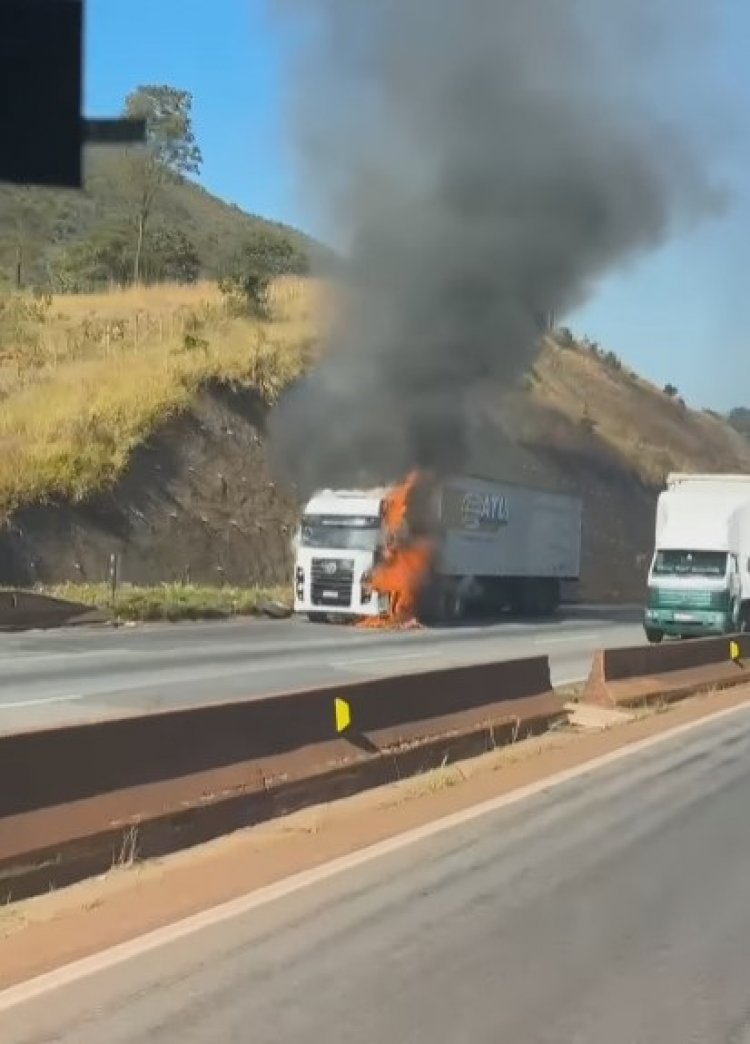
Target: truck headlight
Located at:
point(365, 586)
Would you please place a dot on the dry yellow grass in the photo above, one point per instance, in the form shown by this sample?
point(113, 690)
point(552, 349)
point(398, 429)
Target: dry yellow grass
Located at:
point(164, 299)
point(86, 379)
point(290, 297)
point(652, 433)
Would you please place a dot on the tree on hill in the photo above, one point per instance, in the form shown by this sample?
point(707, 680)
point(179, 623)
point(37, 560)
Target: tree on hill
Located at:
point(27, 235)
point(169, 155)
point(142, 214)
point(262, 257)
point(105, 257)
point(170, 256)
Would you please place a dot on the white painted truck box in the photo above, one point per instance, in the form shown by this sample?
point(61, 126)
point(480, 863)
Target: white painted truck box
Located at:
point(503, 530)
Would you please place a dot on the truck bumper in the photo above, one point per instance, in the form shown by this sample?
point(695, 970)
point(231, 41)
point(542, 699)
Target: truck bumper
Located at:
point(691, 623)
point(357, 609)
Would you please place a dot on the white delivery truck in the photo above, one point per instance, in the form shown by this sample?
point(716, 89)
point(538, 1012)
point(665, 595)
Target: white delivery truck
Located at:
point(497, 545)
point(699, 580)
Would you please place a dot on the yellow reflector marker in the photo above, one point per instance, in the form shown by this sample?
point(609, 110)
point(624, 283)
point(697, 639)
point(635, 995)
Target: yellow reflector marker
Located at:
point(343, 714)
point(734, 651)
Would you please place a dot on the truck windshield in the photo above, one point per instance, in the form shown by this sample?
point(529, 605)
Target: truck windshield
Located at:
point(690, 563)
point(348, 533)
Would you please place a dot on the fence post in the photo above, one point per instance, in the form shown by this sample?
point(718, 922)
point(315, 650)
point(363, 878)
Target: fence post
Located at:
point(114, 576)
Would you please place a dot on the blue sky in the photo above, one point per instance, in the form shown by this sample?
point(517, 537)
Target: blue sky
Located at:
point(675, 316)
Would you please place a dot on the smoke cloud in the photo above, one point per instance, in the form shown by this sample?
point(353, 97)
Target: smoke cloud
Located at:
point(486, 162)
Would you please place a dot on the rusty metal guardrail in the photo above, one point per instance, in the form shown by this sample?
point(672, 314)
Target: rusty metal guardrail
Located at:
point(630, 676)
point(72, 797)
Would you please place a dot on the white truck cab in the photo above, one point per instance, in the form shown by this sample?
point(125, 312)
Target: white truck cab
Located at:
point(337, 544)
point(699, 580)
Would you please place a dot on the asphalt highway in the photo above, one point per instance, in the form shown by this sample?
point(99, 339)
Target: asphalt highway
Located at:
point(609, 908)
point(73, 675)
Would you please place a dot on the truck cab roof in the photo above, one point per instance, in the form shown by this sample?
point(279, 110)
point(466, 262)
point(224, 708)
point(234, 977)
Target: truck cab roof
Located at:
point(346, 502)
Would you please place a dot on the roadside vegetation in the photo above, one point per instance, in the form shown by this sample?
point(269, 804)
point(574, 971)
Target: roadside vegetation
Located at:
point(173, 602)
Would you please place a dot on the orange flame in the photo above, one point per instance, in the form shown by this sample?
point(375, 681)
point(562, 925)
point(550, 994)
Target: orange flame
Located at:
point(403, 571)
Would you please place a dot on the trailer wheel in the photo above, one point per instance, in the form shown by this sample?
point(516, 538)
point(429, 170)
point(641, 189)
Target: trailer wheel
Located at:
point(536, 598)
point(551, 597)
point(447, 604)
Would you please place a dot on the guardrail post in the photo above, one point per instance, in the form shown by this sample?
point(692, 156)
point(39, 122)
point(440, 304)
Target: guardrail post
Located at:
point(114, 576)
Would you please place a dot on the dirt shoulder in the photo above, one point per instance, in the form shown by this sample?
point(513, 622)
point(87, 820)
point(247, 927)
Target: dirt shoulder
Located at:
point(44, 933)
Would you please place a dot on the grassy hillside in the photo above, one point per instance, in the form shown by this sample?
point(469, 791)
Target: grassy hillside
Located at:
point(39, 226)
point(650, 431)
point(133, 421)
point(86, 379)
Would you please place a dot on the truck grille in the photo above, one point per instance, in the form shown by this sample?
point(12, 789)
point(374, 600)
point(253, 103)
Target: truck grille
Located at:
point(668, 598)
point(331, 581)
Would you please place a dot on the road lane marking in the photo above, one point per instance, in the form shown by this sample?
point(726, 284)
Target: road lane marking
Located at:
point(21, 655)
point(560, 639)
point(107, 959)
point(354, 661)
point(42, 701)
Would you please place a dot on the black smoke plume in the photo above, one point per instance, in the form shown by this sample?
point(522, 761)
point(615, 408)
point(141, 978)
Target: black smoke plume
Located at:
point(486, 163)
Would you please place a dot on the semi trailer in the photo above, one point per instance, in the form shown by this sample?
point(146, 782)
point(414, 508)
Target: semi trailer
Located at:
point(699, 578)
point(495, 545)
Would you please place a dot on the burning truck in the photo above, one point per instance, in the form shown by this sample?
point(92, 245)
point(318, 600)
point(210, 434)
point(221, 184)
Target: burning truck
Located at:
point(433, 550)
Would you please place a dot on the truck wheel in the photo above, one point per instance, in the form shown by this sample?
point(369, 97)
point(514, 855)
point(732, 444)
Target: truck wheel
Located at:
point(654, 637)
point(430, 604)
point(450, 606)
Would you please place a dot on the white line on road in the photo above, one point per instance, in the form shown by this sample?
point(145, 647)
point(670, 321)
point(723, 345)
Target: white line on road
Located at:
point(354, 661)
point(14, 657)
point(19, 704)
point(116, 955)
point(569, 638)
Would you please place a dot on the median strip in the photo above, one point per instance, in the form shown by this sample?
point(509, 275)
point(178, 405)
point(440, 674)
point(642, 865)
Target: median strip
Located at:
point(629, 677)
point(132, 901)
point(72, 799)
point(79, 799)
